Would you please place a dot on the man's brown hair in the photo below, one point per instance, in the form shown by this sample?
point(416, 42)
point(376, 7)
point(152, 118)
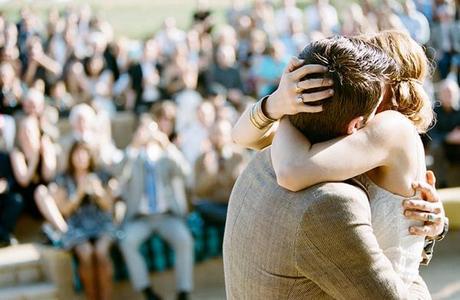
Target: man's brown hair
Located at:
point(358, 70)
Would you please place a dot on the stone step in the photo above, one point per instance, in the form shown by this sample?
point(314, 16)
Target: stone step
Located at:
point(19, 255)
point(36, 291)
point(20, 264)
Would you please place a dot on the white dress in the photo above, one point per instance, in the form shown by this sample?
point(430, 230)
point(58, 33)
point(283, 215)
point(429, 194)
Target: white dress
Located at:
point(391, 228)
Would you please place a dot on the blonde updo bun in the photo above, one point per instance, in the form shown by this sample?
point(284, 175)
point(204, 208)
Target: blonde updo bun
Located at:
point(409, 95)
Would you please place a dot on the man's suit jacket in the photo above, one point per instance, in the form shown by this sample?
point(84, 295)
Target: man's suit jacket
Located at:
point(171, 172)
point(314, 244)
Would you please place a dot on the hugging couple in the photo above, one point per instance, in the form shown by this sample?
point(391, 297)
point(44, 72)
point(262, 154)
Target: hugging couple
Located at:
point(338, 203)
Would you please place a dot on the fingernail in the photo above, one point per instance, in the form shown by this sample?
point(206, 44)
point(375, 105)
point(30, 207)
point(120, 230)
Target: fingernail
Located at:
point(330, 81)
point(406, 203)
point(412, 229)
point(407, 213)
point(331, 92)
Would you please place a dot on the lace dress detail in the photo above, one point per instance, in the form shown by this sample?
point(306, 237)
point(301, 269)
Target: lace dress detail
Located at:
point(391, 228)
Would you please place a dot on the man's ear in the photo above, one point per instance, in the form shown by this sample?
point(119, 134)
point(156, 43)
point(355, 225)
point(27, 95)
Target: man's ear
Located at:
point(355, 124)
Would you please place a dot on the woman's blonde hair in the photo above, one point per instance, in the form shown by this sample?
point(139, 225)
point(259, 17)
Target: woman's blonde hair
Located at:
point(409, 96)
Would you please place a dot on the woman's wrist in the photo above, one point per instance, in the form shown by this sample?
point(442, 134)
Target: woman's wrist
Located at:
point(259, 117)
point(271, 108)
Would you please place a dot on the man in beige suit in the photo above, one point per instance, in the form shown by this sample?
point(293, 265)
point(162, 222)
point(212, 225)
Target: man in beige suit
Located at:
point(317, 243)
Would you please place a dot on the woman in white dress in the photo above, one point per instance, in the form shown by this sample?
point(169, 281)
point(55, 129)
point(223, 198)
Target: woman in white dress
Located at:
point(385, 153)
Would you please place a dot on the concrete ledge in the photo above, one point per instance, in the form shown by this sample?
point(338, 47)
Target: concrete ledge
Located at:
point(37, 291)
point(57, 267)
point(19, 255)
point(451, 199)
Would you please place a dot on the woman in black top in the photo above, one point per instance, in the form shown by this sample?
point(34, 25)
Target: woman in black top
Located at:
point(34, 164)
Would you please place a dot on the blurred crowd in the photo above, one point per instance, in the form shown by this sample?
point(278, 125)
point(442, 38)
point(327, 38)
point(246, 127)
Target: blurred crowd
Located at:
point(186, 89)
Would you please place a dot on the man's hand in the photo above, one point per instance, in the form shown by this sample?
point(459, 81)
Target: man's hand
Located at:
point(429, 210)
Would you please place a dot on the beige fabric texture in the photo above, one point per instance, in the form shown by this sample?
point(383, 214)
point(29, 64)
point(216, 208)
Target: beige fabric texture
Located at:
point(314, 244)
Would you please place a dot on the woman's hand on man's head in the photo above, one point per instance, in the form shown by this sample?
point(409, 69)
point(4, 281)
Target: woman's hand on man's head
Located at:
point(290, 97)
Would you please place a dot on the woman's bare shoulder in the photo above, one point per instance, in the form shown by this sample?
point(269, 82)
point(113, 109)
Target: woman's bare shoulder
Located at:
point(389, 126)
point(390, 130)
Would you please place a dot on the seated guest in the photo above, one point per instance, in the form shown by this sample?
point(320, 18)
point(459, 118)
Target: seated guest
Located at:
point(152, 184)
point(143, 79)
point(226, 73)
point(38, 65)
point(188, 99)
point(268, 68)
point(34, 165)
point(34, 107)
point(92, 128)
point(175, 72)
point(448, 113)
point(61, 98)
point(10, 202)
point(284, 16)
point(82, 120)
point(86, 204)
point(446, 128)
point(164, 113)
point(216, 171)
point(10, 89)
point(193, 138)
point(415, 22)
point(322, 16)
point(443, 36)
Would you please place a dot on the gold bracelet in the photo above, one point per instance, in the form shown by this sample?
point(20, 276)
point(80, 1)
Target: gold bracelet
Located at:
point(257, 116)
point(260, 119)
point(262, 113)
point(254, 120)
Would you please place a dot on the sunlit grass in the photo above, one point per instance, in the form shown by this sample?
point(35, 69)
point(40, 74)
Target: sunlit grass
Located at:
point(135, 18)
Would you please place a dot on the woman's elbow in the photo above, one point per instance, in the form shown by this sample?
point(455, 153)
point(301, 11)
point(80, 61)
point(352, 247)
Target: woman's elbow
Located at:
point(286, 178)
point(237, 137)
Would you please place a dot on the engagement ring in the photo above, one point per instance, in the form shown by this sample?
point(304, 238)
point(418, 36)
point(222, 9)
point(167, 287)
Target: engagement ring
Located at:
point(300, 99)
